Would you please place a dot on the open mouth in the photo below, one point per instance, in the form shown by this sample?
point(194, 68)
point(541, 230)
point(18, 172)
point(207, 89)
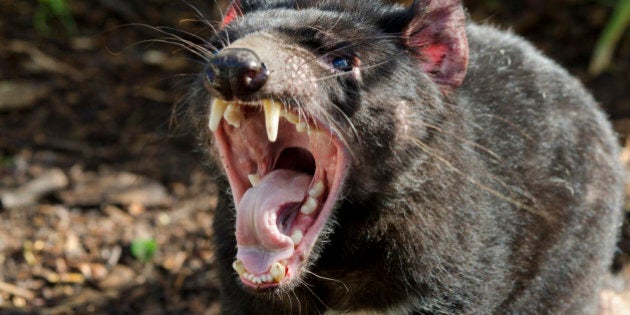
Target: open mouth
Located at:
point(285, 171)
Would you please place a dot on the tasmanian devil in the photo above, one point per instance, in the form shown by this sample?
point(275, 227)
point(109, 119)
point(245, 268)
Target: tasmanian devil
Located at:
point(377, 158)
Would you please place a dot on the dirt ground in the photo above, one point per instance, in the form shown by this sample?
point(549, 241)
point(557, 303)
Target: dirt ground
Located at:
point(97, 164)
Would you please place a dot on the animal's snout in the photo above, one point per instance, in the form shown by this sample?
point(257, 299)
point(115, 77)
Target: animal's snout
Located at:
point(235, 73)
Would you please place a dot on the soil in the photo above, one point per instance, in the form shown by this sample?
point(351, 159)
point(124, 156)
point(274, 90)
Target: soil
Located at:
point(98, 164)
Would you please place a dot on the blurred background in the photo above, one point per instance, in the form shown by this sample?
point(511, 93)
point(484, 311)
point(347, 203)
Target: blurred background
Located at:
point(106, 202)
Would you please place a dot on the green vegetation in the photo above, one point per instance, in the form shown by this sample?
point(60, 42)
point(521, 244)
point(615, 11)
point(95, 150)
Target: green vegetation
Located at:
point(143, 249)
point(6, 161)
point(607, 42)
point(53, 9)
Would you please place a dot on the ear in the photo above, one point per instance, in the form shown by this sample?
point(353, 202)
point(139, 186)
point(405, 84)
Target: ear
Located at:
point(234, 10)
point(437, 35)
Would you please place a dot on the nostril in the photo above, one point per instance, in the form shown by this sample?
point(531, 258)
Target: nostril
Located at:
point(255, 77)
point(250, 76)
point(235, 73)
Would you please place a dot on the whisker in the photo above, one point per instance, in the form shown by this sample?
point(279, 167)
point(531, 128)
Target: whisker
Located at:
point(299, 304)
point(201, 16)
point(308, 287)
point(175, 43)
point(464, 140)
point(432, 152)
point(362, 67)
point(175, 30)
point(328, 279)
point(176, 40)
point(513, 125)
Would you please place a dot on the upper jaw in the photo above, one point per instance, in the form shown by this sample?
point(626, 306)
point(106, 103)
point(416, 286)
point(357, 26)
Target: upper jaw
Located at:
point(286, 172)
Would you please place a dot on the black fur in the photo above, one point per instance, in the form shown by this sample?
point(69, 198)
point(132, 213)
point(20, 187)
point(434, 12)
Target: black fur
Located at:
point(501, 196)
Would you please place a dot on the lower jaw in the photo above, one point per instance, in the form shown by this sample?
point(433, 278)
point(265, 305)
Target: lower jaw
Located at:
point(286, 279)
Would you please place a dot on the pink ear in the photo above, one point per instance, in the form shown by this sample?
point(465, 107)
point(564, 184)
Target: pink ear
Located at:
point(438, 35)
point(233, 11)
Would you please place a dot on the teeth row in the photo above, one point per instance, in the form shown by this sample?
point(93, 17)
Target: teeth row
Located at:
point(297, 236)
point(266, 278)
point(293, 118)
point(310, 205)
point(317, 190)
point(278, 271)
point(301, 127)
point(234, 115)
point(254, 179)
point(275, 274)
point(238, 267)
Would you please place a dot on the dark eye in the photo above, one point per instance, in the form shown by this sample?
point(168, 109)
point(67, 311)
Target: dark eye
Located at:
point(342, 64)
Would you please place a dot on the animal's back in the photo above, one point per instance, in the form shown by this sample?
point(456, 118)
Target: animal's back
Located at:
point(550, 149)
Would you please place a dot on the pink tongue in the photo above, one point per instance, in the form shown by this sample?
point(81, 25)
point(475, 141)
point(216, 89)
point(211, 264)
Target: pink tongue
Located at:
point(260, 241)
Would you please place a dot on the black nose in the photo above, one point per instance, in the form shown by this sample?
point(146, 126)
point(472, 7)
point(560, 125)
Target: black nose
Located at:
point(235, 73)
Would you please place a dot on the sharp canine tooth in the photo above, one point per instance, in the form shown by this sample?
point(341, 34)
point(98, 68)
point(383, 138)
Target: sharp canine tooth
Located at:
point(317, 190)
point(217, 110)
point(234, 115)
point(254, 179)
point(239, 267)
point(277, 271)
point(297, 236)
point(309, 206)
point(272, 118)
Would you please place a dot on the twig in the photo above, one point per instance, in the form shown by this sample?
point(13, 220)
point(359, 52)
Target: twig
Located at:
point(15, 290)
point(27, 194)
point(45, 61)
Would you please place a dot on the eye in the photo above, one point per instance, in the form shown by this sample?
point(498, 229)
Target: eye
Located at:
point(342, 64)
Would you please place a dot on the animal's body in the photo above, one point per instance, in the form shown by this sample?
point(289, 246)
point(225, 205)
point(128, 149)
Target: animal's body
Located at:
point(382, 159)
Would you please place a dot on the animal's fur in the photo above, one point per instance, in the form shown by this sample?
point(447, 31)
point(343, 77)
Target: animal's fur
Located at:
point(502, 195)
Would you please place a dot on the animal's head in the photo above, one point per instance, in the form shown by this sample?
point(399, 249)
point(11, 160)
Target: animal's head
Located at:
point(304, 93)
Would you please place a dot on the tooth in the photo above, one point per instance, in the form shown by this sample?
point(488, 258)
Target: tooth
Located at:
point(309, 206)
point(254, 179)
point(301, 127)
point(234, 115)
point(297, 237)
point(239, 267)
point(317, 190)
point(272, 118)
point(268, 278)
point(277, 271)
point(217, 110)
point(291, 117)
